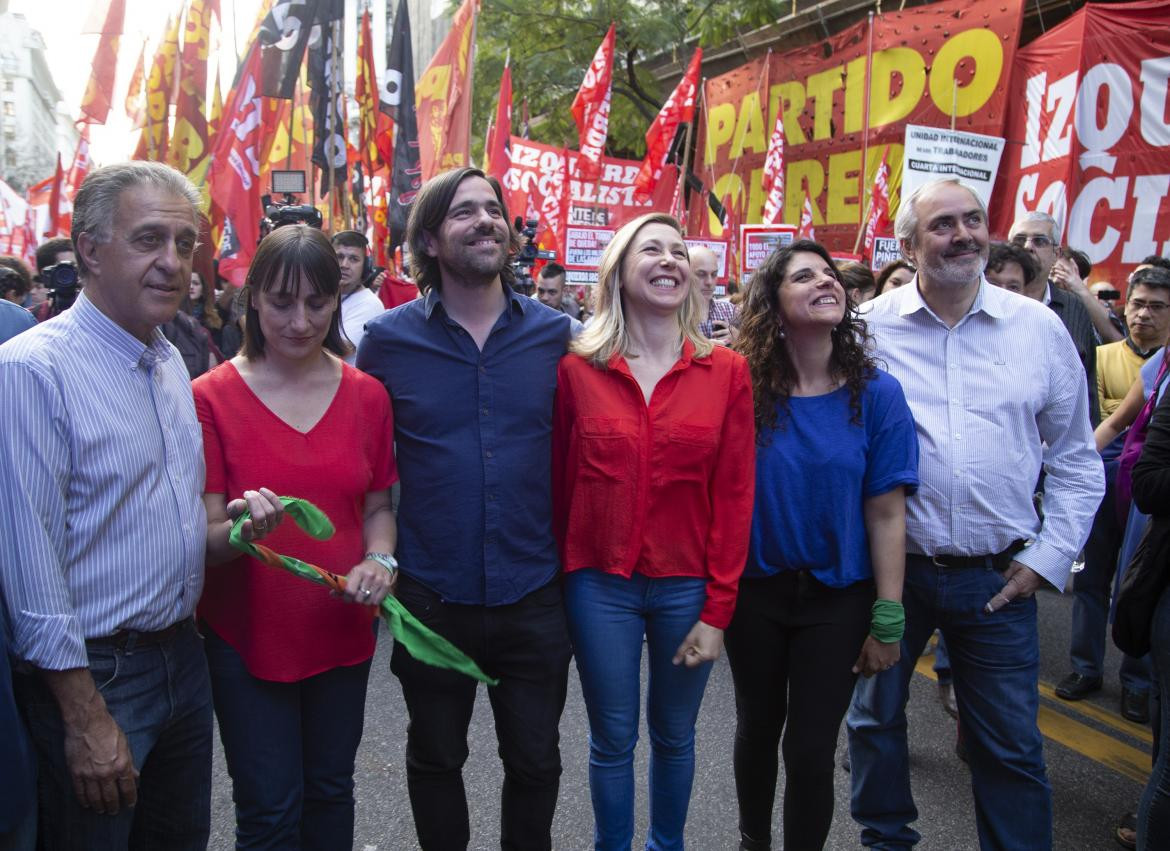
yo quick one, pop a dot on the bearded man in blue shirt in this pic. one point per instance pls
(471, 372)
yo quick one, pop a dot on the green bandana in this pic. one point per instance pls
(421, 642)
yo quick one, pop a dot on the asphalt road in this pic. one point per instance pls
(1095, 760)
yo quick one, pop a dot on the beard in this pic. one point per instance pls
(955, 272)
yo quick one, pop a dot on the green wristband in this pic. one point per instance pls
(887, 621)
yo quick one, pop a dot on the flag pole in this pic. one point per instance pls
(867, 87)
(335, 86)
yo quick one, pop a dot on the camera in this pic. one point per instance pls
(529, 254)
(63, 284)
(288, 184)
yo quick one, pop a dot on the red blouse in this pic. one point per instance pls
(285, 628)
(663, 489)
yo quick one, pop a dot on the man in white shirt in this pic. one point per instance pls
(359, 303)
(997, 392)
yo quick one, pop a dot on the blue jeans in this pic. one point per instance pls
(1154, 811)
(160, 697)
(608, 615)
(290, 750)
(995, 659)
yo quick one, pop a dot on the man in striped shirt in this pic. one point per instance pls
(102, 530)
(997, 392)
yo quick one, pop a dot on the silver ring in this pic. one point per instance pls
(366, 592)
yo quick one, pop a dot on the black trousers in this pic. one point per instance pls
(791, 646)
(526, 646)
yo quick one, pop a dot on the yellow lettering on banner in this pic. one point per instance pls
(854, 94)
(820, 88)
(720, 125)
(842, 205)
(433, 84)
(755, 207)
(984, 48)
(906, 63)
(726, 185)
(800, 174)
(749, 130)
(791, 94)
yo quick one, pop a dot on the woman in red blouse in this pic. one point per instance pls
(652, 485)
(288, 662)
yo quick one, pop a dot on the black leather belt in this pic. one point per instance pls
(126, 639)
(999, 561)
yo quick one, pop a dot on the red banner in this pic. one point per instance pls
(189, 142)
(1089, 138)
(533, 185)
(234, 178)
(927, 64)
(591, 105)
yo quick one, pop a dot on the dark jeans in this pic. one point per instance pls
(1154, 812)
(792, 645)
(526, 646)
(1091, 591)
(290, 750)
(996, 662)
(160, 697)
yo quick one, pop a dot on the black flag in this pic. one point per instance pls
(329, 149)
(284, 32)
(397, 99)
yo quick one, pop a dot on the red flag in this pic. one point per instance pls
(29, 232)
(879, 205)
(806, 220)
(234, 178)
(188, 145)
(591, 106)
(80, 167)
(774, 174)
(443, 98)
(377, 128)
(496, 144)
(55, 199)
(678, 109)
(152, 145)
(99, 93)
(135, 103)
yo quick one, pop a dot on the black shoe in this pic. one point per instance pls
(1135, 706)
(1077, 687)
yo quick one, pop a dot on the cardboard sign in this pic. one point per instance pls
(757, 242)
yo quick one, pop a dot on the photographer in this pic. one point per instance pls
(57, 271)
(359, 303)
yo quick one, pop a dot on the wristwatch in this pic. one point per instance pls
(386, 560)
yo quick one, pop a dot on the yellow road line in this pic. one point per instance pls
(1102, 716)
(1109, 751)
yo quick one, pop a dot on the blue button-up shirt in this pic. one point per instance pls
(473, 431)
(102, 524)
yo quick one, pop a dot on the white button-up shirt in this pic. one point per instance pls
(994, 398)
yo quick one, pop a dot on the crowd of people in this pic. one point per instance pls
(819, 476)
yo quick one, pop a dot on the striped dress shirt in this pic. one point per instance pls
(102, 524)
(993, 398)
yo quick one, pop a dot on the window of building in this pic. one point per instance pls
(9, 108)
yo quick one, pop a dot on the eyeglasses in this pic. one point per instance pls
(1021, 240)
(1154, 307)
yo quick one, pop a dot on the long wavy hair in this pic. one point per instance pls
(607, 334)
(762, 342)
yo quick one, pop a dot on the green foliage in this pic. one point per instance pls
(553, 41)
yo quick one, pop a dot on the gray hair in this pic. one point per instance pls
(906, 222)
(96, 204)
(1044, 219)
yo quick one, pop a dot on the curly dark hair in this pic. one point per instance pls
(762, 343)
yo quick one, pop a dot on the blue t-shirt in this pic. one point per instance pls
(814, 475)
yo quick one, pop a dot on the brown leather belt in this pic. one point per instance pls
(125, 639)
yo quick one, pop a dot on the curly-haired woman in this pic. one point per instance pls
(836, 453)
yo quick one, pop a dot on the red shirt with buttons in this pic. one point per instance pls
(663, 489)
